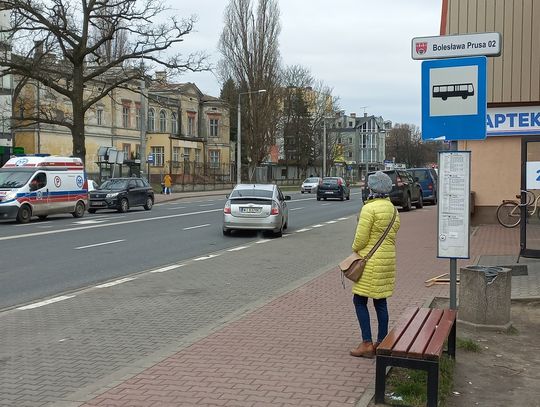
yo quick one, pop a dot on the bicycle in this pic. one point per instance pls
(509, 212)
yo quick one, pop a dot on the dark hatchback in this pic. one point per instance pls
(333, 187)
(406, 191)
(427, 177)
(121, 194)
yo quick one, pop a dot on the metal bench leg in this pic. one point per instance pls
(452, 342)
(432, 384)
(380, 379)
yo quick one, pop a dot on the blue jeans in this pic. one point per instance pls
(362, 313)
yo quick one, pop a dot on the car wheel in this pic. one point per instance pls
(24, 214)
(42, 217)
(226, 232)
(420, 203)
(318, 198)
(407, 204)
(149, 203)
(302, 192)
(79, 210)
(91, 211)
(124, 206)
(349, 197)
(279, 233)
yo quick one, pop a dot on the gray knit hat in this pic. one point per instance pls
(379, 183)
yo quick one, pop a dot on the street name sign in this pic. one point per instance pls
(454, 99)
(452, 46)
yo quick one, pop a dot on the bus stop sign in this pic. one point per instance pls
(454, 103)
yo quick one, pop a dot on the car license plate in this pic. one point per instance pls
(97, 203)
(250, 210)
(329, 192)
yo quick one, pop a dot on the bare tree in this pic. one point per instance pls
(404, 144)
(250, 55)
(67, 47)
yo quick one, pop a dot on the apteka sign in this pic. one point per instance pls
(513, 121)
(452, 46)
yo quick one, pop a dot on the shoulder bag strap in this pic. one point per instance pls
(379, 242)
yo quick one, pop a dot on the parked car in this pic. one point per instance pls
(333, 187)
(310, 185)
(256, 207)
(405, 190)
(427, 177)
(122, 194)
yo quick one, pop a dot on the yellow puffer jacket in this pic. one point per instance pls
(380, 272)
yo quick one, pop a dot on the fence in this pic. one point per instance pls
(193, 176)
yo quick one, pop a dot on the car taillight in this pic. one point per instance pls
(227, 208)
(275, 209)
(430, 186)
(399, 182)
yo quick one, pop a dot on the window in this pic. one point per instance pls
(214, 158)
(162, 121)
(176, 154)
(126, 148)
(350, 124)
(214, 127)
(125, 116)
(39, 181)
(350, 140)
(138, 118)
(197, 155)
(99, 116)
(151, 122)
(174, 123)
(349, 154)
(159, 156)
(191, 127)
(186, 153)
(137, 151)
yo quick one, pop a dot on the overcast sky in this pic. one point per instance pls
(360, 48)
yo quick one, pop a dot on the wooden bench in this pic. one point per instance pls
(416, 342)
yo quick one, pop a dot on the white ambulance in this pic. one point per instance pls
(42, 185)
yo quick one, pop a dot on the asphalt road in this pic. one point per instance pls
(46, 258)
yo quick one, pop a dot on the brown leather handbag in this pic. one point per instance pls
(353, 266)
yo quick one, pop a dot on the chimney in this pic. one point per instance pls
(353, 114)
(161, 76)
(365, 114)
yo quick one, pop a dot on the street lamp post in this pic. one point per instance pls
(239, 136)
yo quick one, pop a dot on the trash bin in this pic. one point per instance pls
(485, 296)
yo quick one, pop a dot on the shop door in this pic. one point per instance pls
(530, 182)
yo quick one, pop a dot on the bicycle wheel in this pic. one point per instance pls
(509, 214)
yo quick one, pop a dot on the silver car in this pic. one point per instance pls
(256, 207)
(310, 185)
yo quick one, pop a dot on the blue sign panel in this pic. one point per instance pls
(454, 99)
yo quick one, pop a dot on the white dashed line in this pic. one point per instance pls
(89, 221)
(210, 256)
(46, 302)
(197, 227)
(263, 241)
(344, 218)
(238, 248)
(167, 268)
(296, 209)
(99, 244)
(324, 204)
(317, 226)
(331, 221)
(303, 230)
(207, 205)
(116, 282)
(176, 207)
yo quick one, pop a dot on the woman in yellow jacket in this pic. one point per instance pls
(379, 275)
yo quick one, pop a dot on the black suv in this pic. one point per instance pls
(405, 189)
(121, 194)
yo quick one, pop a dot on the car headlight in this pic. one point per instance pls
(10, 195)
(112, 195)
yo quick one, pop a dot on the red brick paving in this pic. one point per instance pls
(294, 350)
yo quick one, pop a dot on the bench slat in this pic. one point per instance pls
(435, 347)
(422, 340)
(385, 347)
(404, 343)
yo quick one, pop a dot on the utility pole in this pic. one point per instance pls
(142, 124)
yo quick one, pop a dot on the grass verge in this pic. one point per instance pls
(409, 386)
(468, 345)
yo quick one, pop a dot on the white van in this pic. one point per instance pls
(41, 186)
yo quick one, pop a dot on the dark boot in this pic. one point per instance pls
(364, 350)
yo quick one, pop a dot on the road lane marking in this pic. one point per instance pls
(89, 221)
(344, 218)
(210, 256)
(116, 282)
(237, 248)
(303, 230)
(99, 244)
(196, 227)
(176, 207)
(324, 204)
(167, 268)
(331, 221)
(49, 232)
(263, 241)
(317, 225)
(207, 204)
(296, 209)
(46, 302)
